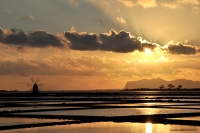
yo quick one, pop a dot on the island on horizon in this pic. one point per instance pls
(158, 83)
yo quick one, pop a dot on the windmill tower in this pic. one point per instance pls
(35, 89)
(35, 83)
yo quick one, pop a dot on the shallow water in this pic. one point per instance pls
(109, 127)
(148, 104)
(33, 108)
(196, 118)
(116, 112)
(17, 121)
(127, 99)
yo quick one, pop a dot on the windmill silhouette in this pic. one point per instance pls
(35, 83)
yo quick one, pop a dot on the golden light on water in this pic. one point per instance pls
(149, 128)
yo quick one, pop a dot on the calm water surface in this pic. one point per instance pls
(110, 127)
(116, 112)
(18, 121)
(171, 107)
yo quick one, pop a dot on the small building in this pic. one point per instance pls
(35, 89)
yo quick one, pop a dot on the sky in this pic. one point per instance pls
(97, 44)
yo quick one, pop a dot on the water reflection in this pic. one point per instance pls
(109, 127)
(148, 128)
(149, 111)
(114, 112)
(4, 121)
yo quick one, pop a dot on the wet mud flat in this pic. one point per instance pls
(80, 107)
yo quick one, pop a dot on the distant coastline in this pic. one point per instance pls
(162, 84)
(157, 89)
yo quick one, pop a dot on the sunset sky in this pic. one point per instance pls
(97, 44)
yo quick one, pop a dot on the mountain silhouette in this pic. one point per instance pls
(157, 82)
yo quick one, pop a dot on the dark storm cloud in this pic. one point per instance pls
(42, 38)
(114, 41)
(82, 41)
(121, 42)
(1, 35)
(32, 39)
(179, 48)
(16, 38)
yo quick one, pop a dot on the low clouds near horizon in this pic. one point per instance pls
(113, 41)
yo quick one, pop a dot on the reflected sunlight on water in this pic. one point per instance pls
(148, 128)
(109, 127)
(194, 118)
(149, 111)
(119, 105)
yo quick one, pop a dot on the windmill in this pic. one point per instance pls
(35, 83)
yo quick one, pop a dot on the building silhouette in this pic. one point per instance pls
(35, 89)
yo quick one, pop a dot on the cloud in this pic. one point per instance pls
(28, 17)
(194, 2)
(147, 3)
(113, 41)
(94, 66)
(7, 11)
(73, 2)
(178, 3)
(21, 49)
(37, 38)
(102, 3)
(42, 38)
(16, 38)
(4, 56)
(180, 48)
(128, 3)
(122, 42)
(170, 5)
(121, 20)
(1, 35)
(30, 67)
(97, 20)
(196, 9)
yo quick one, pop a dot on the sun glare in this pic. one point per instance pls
(147, 51)
(148, 128)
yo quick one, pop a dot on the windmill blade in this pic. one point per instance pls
(37, 80)
(29, 84)
(32, 80)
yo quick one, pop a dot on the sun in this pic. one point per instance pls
(147, 51)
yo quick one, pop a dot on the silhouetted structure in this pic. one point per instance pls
(35, 89)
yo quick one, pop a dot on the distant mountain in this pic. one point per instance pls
(156, 83)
